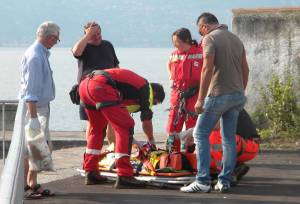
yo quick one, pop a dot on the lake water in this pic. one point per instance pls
(148, 62)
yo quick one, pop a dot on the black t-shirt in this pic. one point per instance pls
(98, 57)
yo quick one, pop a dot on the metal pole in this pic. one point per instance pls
(3, 132)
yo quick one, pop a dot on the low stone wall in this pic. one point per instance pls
(272, 42)
(10, 113)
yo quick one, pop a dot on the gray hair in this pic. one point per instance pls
(47, 28)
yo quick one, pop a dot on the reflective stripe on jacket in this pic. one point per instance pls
(246, 149)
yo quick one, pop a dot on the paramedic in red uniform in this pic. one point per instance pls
(247, 146)
(184, 69)
(101, 94)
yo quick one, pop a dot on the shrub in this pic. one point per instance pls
(279, 111)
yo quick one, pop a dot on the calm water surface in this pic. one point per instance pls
(148, 62)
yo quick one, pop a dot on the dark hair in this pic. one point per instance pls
(208, 18)
(184, 34)
(159, 91)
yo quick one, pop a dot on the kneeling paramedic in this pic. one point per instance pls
(101, 94)
(247, 146)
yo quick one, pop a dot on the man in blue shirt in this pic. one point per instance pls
(37, 90)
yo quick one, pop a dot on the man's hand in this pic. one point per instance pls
(199, 106)
(91, 31)
(34, 124)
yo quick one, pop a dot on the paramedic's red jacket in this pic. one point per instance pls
(98, 90)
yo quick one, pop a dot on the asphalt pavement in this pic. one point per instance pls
(274, 178)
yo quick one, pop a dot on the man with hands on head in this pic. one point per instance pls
(93, 53)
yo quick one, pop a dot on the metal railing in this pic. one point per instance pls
(12, 178)
(4, 102)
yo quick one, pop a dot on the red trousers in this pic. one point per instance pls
(176, 120)
(96, 90)
(246, 149)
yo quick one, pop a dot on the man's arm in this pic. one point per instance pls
(206, 75)
(245, 70)
(31, 106)
(79, 46)
(148, 130)
(146, 112)
(33, 122)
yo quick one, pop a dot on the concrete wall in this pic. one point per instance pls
(272, 42)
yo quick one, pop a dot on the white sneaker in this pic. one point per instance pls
(223, 188)
(196, 187)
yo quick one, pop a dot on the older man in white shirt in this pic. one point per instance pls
(37, 90)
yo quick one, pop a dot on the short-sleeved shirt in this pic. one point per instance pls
(98, 57)
(228, 50)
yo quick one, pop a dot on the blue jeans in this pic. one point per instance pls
(226, 108)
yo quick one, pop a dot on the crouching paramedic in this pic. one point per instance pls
(101, 93)
(247, 146)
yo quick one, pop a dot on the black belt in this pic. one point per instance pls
(110, 80)
(99, 105)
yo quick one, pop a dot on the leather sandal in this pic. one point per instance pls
(30, 195)
(44, 192)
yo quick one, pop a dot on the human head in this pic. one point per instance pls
(158, 93)
(97, 37)
(205, 22)
(182, 39)
(48, 34)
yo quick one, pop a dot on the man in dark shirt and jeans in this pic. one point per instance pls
(93, 53)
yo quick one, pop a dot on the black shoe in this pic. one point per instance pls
(128, 182)
(93, 178)
(239, 172)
